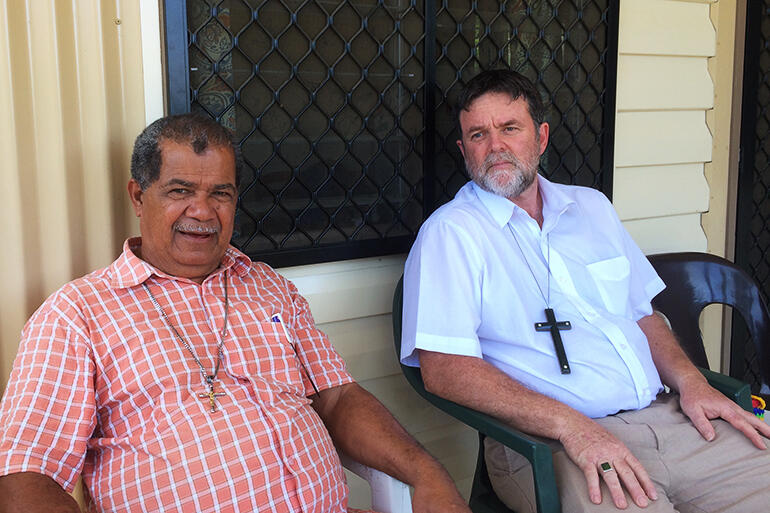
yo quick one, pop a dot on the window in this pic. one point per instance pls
(345, 125)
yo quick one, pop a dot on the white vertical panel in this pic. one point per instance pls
(152, 69)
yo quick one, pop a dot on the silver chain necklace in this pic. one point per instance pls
(209, 379)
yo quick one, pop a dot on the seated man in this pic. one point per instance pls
(184, 377)
(512, 254)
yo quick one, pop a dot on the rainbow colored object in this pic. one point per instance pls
(759, 406)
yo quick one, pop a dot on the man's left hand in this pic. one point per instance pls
(702, 403)
(698, 400)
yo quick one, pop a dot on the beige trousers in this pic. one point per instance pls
(692, 475)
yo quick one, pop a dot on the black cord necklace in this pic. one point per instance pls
(551, 324)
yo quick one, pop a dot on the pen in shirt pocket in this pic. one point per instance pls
(278, 319)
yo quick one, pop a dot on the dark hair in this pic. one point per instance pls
(200, 132)
(501, 81)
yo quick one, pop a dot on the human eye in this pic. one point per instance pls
(223, 195)
(476, 136)
(178, 191)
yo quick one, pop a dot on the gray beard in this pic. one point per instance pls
(521, 177)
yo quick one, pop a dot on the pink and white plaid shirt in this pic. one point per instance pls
(102, 386)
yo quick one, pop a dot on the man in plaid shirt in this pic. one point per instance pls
(184, 377)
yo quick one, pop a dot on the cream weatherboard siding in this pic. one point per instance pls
(662, 140)
(661, 137)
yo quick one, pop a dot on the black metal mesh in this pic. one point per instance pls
(560, 45)
(327, 99)
(753, 245)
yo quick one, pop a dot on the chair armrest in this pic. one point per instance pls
(736, 390)
(389, 495)
(538, 453)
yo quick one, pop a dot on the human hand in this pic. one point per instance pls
(438, 494)
(588, 446)
(702, 403)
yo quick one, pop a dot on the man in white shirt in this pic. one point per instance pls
(529, 301)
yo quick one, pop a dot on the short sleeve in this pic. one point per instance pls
(48, 409)
(442, 293)
(322, 362)
(645, 283)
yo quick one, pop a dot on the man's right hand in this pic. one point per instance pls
(590, 445)
(477, 384)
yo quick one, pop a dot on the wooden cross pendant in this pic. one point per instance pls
(554, 327)
(211, 395)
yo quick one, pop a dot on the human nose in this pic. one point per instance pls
(496, 142)
(200, 207)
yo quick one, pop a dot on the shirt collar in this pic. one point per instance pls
(555, 203)
(129, 270)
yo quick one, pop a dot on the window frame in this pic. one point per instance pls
(178, 100)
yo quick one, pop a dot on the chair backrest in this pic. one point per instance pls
(696, 280)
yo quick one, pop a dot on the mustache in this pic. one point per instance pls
(501, 157)
(195, 228)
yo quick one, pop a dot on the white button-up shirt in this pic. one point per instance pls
(477, 280)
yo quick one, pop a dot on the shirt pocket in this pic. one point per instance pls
(266, 357)
(612, 279)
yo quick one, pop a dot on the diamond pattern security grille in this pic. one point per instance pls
(753, 227)
(327, 99)
(562, 47)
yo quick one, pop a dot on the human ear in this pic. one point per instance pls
(135, 193)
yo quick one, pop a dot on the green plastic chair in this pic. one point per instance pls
(696, 280)
(483, 498)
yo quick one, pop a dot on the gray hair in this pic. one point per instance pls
(200, 132)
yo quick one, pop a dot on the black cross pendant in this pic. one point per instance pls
(554, 327)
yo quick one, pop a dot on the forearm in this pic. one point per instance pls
(363, 429)
(477, 384)
(30, 492)
(675, 368)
